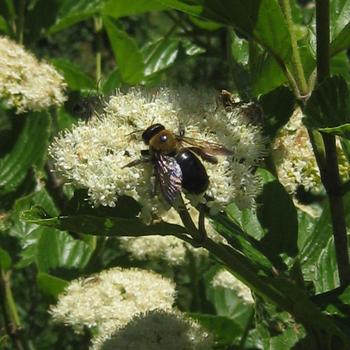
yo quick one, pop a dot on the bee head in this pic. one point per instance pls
(151, 131)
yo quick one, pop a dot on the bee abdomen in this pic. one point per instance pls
(194, 176)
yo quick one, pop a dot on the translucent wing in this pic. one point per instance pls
(205, 149)
(169, 176)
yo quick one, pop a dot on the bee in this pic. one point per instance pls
(176, 160)
(251, 111)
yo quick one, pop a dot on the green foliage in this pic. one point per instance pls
(50, 234)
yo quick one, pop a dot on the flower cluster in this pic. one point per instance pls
(108, 301)
(225, 279)
(159, 330)
(294, 158)
(93, 155)
(25, 83)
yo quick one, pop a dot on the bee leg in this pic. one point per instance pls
(181, 130)
(136, 162)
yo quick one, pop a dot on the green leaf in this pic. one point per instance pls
(73, 75)
(225, 330)
(59, 249)
(5, 259)
(317, 241)
(160, 55)
(30, 149)
(326, 271)
(122, 8)
(278, 107)
(341, 42)
(112, 82)
(328, 106)
(129, 58)
(27, 234)
(72, 12)
(100, 226)
(335, 302)
(37, 23)
(278, 216)
(266, 75)
(50, 285)
(260, 19)
(3, 26)
(339, 16)
(251, 249)
(342, 130)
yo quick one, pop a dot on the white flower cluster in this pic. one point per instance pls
(25, 83)
(225, 279)
(109, 300)
(159, 330)
(92, 155)
(294, 158)
(128, 309)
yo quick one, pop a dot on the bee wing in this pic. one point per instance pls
(205, 149)
(169, 176)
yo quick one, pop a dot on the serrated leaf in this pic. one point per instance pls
(326, 270)
(329, 105)
(50, 285)
(100, 226)
(122, 8)
(5, 259)
(278, 216)
(30, 149)
(262, 20)
(73, 75)
(318, 239)
(278, 107)
(58, 249)
(127, 55)
(72, 12)
(27, 234)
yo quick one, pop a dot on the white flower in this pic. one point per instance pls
(25, 83)
(294, 158)
(109, 300)
(225, 279)
(159, 330)
(92, 155)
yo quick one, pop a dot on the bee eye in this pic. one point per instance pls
(163, 138)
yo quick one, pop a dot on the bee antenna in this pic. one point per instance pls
(134, 132)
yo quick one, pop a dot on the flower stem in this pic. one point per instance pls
(296, 60)
(98, 59)
(20, 21)
(9, 309)
(330, 169)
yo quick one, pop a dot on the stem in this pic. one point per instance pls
(296, 60)
(330, 170)
(98, 59)
(20, 21)
(8, 305)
